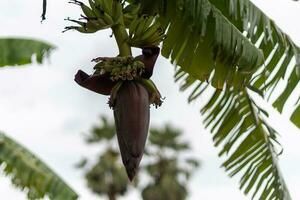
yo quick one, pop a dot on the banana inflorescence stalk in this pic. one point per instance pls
(125, 78)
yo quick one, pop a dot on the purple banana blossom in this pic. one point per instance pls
(132, 116)
(131, 104)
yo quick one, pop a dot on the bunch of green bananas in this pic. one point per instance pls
(130, 13)
(119, 68)
(145, 31)
(100, 14)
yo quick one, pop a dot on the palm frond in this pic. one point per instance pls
(30, 173)
(17, 51)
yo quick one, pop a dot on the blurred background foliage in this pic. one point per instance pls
(165, 169)
(26, 170)
(21, 51)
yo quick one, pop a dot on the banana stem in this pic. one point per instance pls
(121, 37)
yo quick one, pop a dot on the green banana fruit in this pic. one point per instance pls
(145, 31)
(148, 22)
(107, 19)
(130, 13)
(127, 19)
(106, 5)
(88, 12)
(151, 30)
(117, 12)
(133, 26)
(95, 8)
(133, 9)
(80, 29)
(154, 39)
(96, 24)
(140, 29)
(101, 14)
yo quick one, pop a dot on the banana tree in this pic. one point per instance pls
(226, 50)
(26, 170)
(108, 177)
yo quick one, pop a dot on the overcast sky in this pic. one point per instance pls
(43, 108)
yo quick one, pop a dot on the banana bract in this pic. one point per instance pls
(149, 57)
(132, 116)
(131, 94)
(101, 84)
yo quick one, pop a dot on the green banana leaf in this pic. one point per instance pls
(249, 144)
(27, 171)
(222, 41)
(234, 47)
(18, 51)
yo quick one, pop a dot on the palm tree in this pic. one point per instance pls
(167, 169)
(26, 170)
(107, 176)
(169, 173)
(223, 50)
